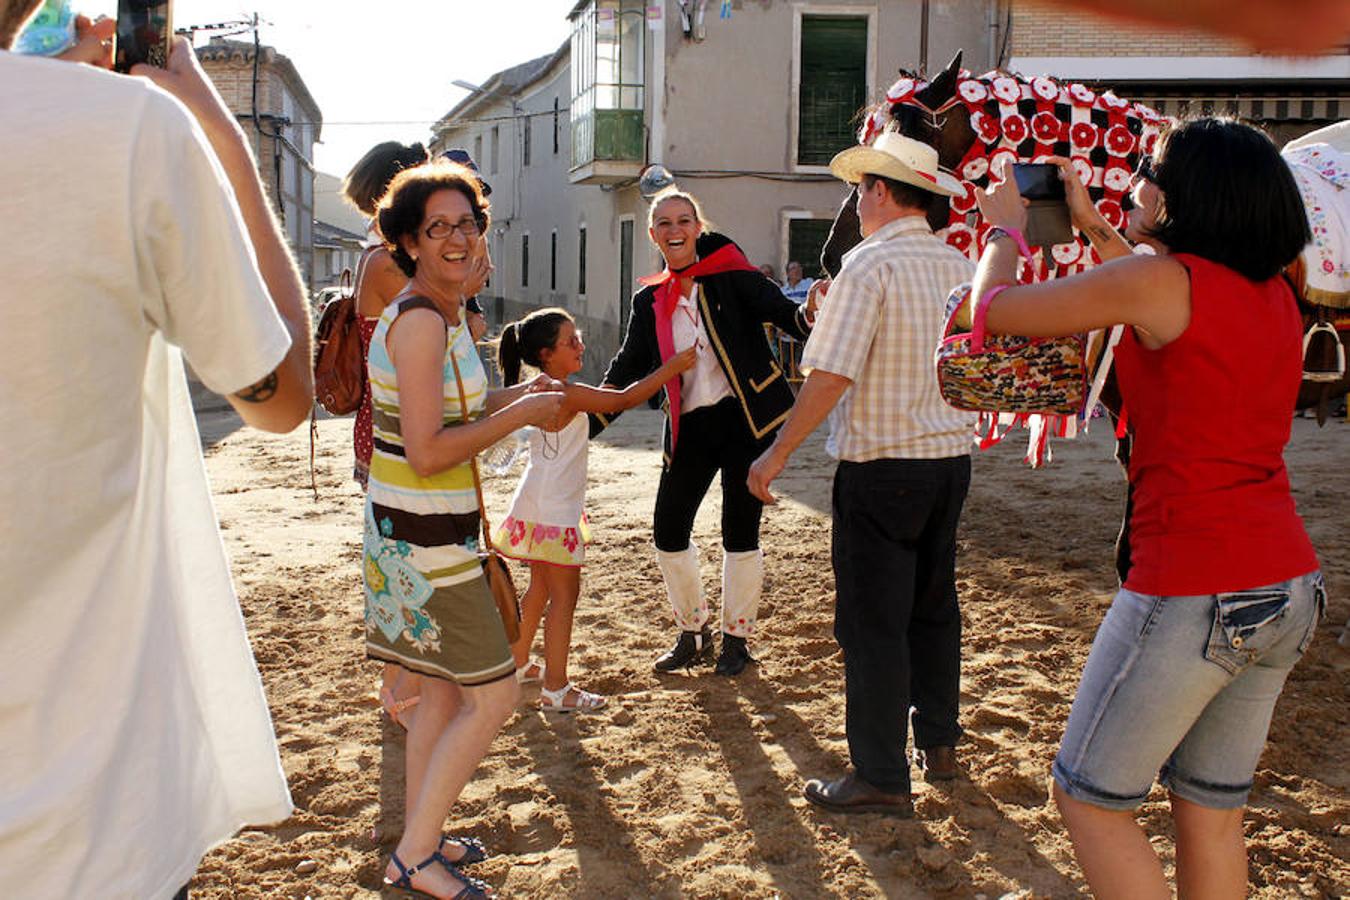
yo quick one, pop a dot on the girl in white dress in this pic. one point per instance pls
(546, 526)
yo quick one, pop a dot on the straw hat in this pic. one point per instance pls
(892, 155)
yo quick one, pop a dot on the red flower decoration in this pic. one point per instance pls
(1081, 95)
(1120, 140)
(1066, 254)
(975, 169)
(1015, 128)
(960, 236)
(1083, 135)
(1111, 101)
(1111, 212)
(1006, 89)
(1150, 140)
(966, 201)
(1044, 88)
(972, 91)
(1116, 178)
(985, 126)
(1083, 166)
(1046, 127)
(901, 90)
(1000, 161)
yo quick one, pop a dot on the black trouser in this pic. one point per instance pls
(896, 617)
(712, 438)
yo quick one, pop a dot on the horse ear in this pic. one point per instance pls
(943, 87)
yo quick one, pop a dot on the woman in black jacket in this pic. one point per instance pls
(719, 415)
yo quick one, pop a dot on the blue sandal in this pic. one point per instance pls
(474, 851)
(473, 889)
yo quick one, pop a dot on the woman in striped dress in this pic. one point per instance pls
(428, 606)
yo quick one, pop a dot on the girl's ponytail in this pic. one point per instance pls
(508, 354)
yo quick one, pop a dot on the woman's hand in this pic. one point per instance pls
(1083, 213)
(93, 42)
(538, 409)
(479, 270)
(1002, 204)
(543, 384)
(814, 296)
(684, 360)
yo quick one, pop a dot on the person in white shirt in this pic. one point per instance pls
(134, 734)
(796, 288)
(904, 470)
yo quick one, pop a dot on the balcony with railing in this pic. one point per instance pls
(608, 90)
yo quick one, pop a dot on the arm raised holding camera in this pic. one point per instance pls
(282, 399)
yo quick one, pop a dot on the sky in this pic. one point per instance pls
(382, 69)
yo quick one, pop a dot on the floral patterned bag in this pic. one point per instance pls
(1005, 373)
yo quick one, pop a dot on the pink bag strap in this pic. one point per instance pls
(977, 319)
(982, 306)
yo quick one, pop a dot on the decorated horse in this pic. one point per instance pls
(980, 124)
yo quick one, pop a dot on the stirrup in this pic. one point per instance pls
(553, 701)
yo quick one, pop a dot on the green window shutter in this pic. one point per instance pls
(833, 85)
(806, 238)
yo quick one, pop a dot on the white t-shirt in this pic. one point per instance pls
(134, 734)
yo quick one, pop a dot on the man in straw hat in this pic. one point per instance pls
(904, 468)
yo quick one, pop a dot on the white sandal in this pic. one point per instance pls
(530, 673)
(555, 701)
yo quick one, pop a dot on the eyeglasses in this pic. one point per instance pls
(1144, 171)
(575, 341)
(440, 228)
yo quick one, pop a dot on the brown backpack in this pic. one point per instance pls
(339, 364)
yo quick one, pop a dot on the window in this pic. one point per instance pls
(496, 142)
(478, 149)
(833, 85)
(608, 48)
(553, 261)
(526, 122)
(581, 262)
(625, 273)
(555, 126)
(524, 260)
(806, 238)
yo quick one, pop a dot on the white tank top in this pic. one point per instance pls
(553, 489)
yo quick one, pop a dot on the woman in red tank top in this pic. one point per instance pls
(1222, 592)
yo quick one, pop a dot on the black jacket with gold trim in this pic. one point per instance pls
(734, 307)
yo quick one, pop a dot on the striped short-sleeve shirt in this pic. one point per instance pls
(878, 327)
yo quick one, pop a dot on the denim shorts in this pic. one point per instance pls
(1184, 687)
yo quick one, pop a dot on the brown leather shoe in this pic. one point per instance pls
(851, 794)
(937, 763)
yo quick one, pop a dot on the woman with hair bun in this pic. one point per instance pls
(546, 526)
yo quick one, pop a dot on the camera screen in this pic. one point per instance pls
(143, 33)
(1038, 181)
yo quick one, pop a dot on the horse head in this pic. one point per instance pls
(931, 115)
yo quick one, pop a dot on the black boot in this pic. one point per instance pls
(735, 656)
(692, 647)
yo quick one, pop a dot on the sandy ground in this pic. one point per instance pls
(690, 786)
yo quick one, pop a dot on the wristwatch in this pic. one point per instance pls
(1013, 234)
